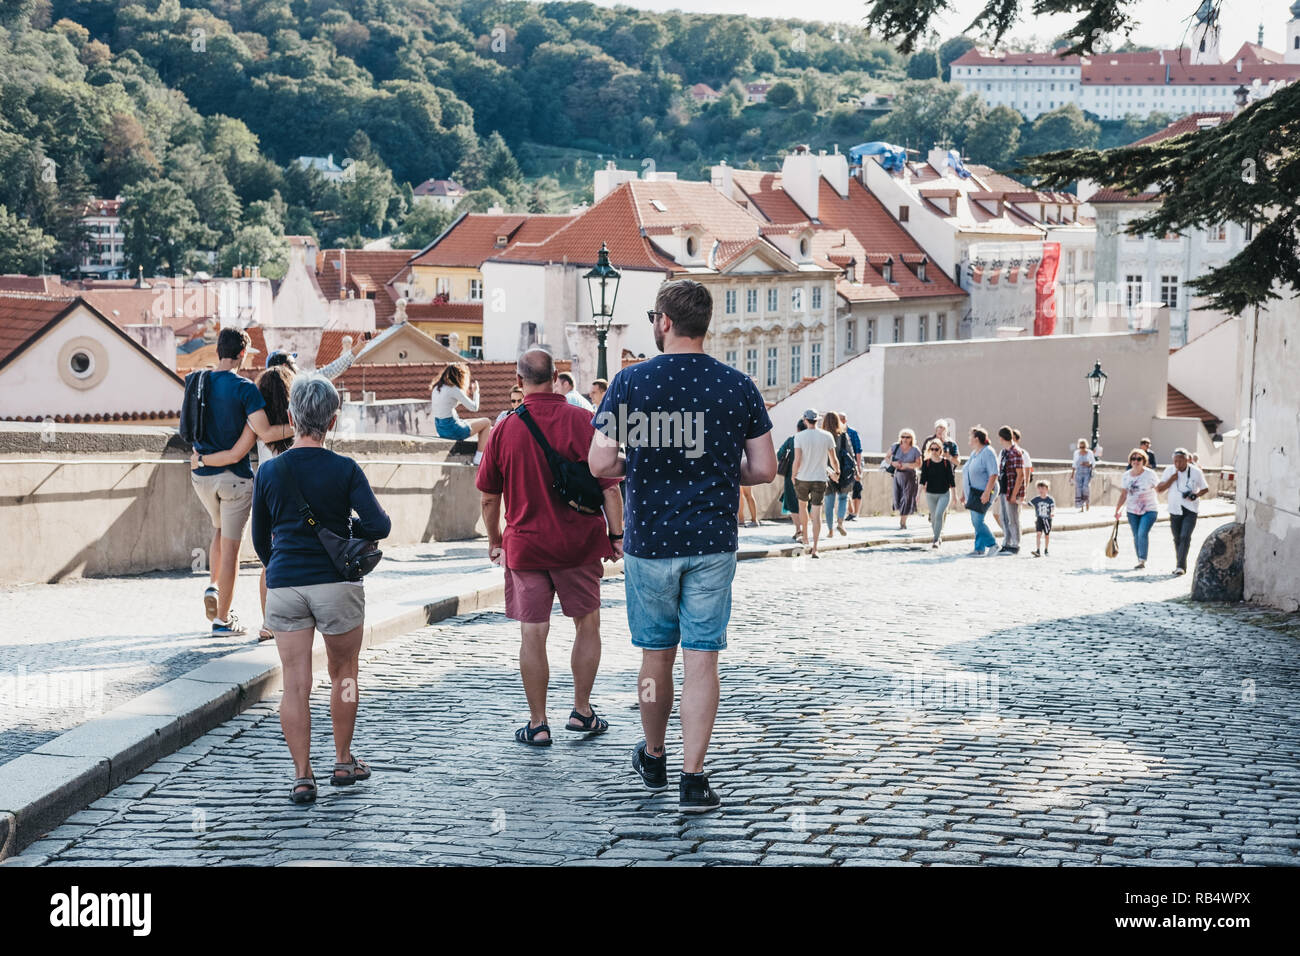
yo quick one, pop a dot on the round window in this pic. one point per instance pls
(803, 247)
(402, 355)
(82, 363)
(691, 246)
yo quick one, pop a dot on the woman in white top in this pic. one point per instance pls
(449, 391)
(1084, 460)
(1139, 493)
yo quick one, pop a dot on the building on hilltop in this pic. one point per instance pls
(1114, 85)
(325, 166)
(446, 193)
(102, 255)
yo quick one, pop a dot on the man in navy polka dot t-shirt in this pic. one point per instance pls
(694, 431)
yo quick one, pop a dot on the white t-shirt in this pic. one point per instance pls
(1191, 480)
(1141, 491)
(445, 400)
(1084, 459)
(816, 445)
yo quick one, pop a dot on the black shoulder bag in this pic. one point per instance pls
(571, 480)
(193, 405)
(353, 558)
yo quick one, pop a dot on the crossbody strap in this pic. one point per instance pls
(304, 509)
(522, 414)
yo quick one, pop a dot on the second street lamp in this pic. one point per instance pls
(1096, 388)
(602, 288)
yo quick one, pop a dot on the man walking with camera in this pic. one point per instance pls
(1186, 485)
(548, 548)
(695, 430)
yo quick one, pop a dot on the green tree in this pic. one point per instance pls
(927, 112)
(782, 95)
(24, 248)
(1063, 127)
(995, 138)
(361, 199)
(950, 50)
(923, 65)
(163, 231)
(256, 245)
(424, 222)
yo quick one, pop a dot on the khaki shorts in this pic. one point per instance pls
(228, 498)
(813, 492)
(330, 608)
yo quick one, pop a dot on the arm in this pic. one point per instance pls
(221, 459)
(1020, 484)
(261, 521)
(798, 462)
(373, 522)
(491, 505)
(758, 466)
(833, 463)
(1164, 485)
(1119, 505)
(603, 458)
(471, 404)
(614, 517)
(341, 364)
(265, 430)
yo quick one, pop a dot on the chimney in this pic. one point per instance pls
(938, 158)
(236, 272)
(800, 177)
(721, 179)
(255, 272)
(835, 168)
(453, 342)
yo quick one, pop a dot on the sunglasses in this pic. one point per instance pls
(653, 314)
(1137, 458)
(516, 401)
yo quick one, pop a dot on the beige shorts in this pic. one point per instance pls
(329, 608)
(813, 492)
(228, 498)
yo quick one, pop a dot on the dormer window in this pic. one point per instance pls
(501, 241)
(920, 270)
(887, 269)
(803, 247)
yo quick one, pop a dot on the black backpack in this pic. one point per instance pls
(571, 480)
(194, 406)
(848, 464)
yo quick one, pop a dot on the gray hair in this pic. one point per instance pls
(313, 402)
(536, 367)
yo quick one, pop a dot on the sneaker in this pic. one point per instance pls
(230, 628)
(210, 602)
(696, 796)
(652, 770)
(1139, 566)
(1044, 552)
(850, 517)
(1178, 571)
(1036, 553)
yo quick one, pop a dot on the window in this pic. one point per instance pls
(902, 213)
(887, 269)
(850, 330)
(796, 300)
(751, 301)
(1250, 231)
(731, 301)
(82, 363)
(920, 270)
(476, 289)
(871, 332)
(1132, 290)
(751, 363)
(815, 360)
(773, 356)
(1219, 233)
(771, 300)
(941, 327)
(816, 297)
(923, 328)
(898, 328)
(732, 357)
(442, 286)
(476, 346)
(1169, 291)
(796, 363)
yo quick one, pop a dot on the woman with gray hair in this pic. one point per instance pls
(305, 591)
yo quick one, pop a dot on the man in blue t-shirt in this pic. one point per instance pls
(694, 430)
(855, 503)
(232, 402)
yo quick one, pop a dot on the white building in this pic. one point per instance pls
(325, 165)
(103, 256)
(446, 193)
(1115, 85)
(1134, 269)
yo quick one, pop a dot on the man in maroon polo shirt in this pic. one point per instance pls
(548, 548)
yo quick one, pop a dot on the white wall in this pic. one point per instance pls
(854, 388)
(935, 235)
(1202, 370)
(32, 386)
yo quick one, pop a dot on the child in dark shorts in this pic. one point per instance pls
(1044, 510)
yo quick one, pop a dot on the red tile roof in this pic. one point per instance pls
(472, 238)
(976, 57)
(468, 312)
(1109, 69)
(42, 285)
(765, 191)
(1178, 405)
(362, 271)
(439, 187)
(1186, 124)
(24, 316)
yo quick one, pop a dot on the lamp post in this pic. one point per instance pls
(1096, 387)
(602, 288)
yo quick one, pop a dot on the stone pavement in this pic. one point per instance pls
(75, 650)
(890, 705)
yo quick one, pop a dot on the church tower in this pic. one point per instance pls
(1205, 35)
(1292, 53)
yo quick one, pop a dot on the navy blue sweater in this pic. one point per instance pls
(334, 487)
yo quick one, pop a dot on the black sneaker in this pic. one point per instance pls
(696, 794)
(652, 770)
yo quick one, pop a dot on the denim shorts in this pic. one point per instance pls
(683, 600)
(452, 428)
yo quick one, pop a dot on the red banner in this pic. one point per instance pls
(1045, 289)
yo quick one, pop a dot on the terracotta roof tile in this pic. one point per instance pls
(472, 239)
(1178, 405)
(468, 312)
(24, 316)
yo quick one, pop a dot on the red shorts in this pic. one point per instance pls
(529, 594)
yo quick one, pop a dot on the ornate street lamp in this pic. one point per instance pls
(602, 287)
(1096, 387)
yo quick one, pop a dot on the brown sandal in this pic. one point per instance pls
(353, 771)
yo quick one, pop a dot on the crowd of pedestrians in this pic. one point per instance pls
(567, 486)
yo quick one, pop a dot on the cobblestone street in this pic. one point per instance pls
(940, 709)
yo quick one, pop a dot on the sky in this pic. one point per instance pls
(1160, 23)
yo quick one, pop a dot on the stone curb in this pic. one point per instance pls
(41, 789)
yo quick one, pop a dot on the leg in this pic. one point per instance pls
(816, 515)
(655, 692)
(226, 574)
(295, 708)
(480, 427)
(214, 556)
(535, 669)
(1185, 538)
(341, 651)
(700, 692)
(261, 592)
(585, 659)
(804, 508)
